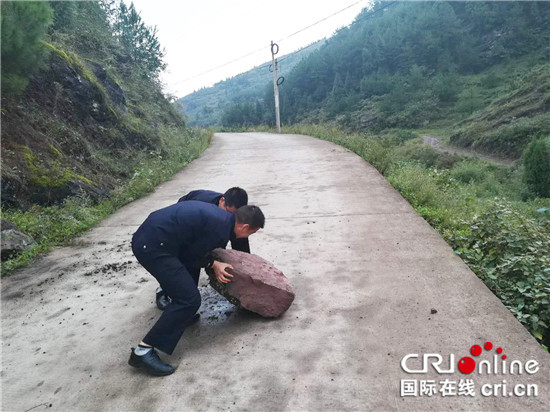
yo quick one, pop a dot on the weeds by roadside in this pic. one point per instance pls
(54, 225)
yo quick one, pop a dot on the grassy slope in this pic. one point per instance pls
(517, 110)
(496, 111)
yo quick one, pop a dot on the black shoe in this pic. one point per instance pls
(151, 363)
(163, 300)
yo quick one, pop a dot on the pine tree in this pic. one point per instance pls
(24, 24)
(139, 41)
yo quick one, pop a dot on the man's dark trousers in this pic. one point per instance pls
(181, 286)
(172, 244)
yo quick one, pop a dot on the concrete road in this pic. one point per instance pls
(373, 281)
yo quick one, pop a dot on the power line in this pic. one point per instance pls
(374, 11)
(320, 21)
(314, 43)
(263, 48)
(202, 94)
(220, 66)
(293, 34)
(297, 51)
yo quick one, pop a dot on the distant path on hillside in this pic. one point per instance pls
(435, 142)
(373, 281)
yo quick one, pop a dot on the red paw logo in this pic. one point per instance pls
(467, 365)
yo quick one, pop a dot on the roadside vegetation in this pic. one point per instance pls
(86, 127)
(489, 214)
(57, 224)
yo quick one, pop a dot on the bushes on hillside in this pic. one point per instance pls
(468, 172)
(536, 159)
(509, 252)
(427, 156)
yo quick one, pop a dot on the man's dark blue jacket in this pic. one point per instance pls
(210, 196)
(207, 196)
(187, 230)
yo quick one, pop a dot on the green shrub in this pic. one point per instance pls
(445, 87)
(377, 84)
(536, 159)
(468, 172)
(509, 252)
(417, 185)
(379, 154)
(491, 80)
(404, 135)
(13, 84)
(469, 100)
(447, 160)
(425, 155)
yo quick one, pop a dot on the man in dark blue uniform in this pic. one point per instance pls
(167, 244)
(230, 201)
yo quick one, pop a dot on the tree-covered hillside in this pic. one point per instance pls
(416, 64)
(411, 64)
(206, 107)
(86, 127)
(81, 99)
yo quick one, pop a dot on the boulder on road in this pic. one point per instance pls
(257, 285)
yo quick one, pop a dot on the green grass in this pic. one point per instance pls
(55, 225)
(75, 62)
(483, 210)
(509, 116)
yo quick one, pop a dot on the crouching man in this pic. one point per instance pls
(229, 201)
(170, 241)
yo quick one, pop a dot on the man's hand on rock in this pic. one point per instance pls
(220, 269)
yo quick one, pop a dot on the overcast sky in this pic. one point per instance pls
(199, 35)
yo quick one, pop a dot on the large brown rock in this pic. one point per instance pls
(257, 285)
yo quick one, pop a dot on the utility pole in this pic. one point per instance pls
(274, 51)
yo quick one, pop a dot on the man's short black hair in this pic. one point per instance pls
(236, 197)
(251, 215)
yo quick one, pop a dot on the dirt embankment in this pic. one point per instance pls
(436, 143)
(75, 131)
